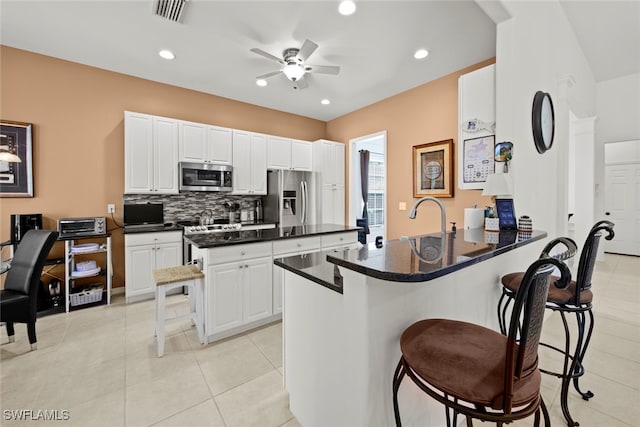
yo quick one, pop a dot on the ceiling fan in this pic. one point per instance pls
(294, 67)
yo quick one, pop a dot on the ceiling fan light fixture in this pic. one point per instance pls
(421, 54)
(347, 7)
(166, 54)
(325, 102)
(293, 72)
(261, 82)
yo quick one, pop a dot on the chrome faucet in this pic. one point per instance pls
(443, 216)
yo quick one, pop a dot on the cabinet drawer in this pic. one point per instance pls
(302, 244)
(238, 252)
(339, 239)
(152, 238)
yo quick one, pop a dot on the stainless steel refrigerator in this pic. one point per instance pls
(287, 201)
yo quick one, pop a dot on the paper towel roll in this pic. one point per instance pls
(473, 218)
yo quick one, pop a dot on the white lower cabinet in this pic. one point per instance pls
(145, 252)
(238, 291)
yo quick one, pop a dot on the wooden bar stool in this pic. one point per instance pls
(171, 278)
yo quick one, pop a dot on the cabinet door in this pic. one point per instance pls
(258, 164)
(279, 156)
(138, 153)
(301, 155)
(257, 289)
(168, 255)
(327, 204)
(220, 144)
(192, 142)
(338, 205)
(241, 162)
(338, 166)
(225, 296)
(139, 264)
(278, 287)
(165, 156)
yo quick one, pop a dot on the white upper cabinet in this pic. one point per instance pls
(249, 163)
(150, 154)
(220, 143)
(205, 143)
(301, 155)
(279, 152)
(286, 153)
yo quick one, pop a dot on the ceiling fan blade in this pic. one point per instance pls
(271, 74)
(267, 55)
(322, 69)
(300, 84)
(308, 47)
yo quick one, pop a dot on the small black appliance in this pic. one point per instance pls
(21, 223)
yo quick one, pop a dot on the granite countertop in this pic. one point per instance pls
(152, 229)
(416, 259)
(213, 240)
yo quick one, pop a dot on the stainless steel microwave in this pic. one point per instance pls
(205, 177)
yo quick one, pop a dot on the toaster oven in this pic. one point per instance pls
(79, 227)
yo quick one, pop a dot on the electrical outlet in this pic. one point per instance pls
(402, 206)
(111, 208)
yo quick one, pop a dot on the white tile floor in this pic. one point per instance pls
(100, 365)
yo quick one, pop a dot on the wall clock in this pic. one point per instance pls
(542, 121)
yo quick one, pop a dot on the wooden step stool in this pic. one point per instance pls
(171, 278)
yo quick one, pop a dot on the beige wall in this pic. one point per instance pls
(77, 117)
(427, 113)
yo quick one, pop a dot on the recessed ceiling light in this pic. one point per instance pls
(261, 82)
(325, 102)
(166, 54)
(347, 7)
(421, 54)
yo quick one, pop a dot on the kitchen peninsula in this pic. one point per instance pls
(344, 312)
(243, 289)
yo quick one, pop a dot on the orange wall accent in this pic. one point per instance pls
(78, 133)
(427, 113)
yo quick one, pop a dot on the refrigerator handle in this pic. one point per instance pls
(303, 198)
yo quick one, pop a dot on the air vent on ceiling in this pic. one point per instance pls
(170, 9)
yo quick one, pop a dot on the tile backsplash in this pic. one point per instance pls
(189, 205)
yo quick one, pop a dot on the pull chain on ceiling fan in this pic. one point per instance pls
(293, 62)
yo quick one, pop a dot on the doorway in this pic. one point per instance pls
(622, 196)
(376, 144)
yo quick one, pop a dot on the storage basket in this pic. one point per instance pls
(87, 296)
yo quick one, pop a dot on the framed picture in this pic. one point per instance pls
(16, 178)
(433, 169)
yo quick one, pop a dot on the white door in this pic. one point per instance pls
(168, 255)
(622, 207)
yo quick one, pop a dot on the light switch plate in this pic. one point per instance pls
(402, 206)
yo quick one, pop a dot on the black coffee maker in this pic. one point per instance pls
(21, 223)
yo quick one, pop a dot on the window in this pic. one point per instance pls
(376, 190)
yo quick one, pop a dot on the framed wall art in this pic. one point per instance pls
(16, 178)
(433, 169)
